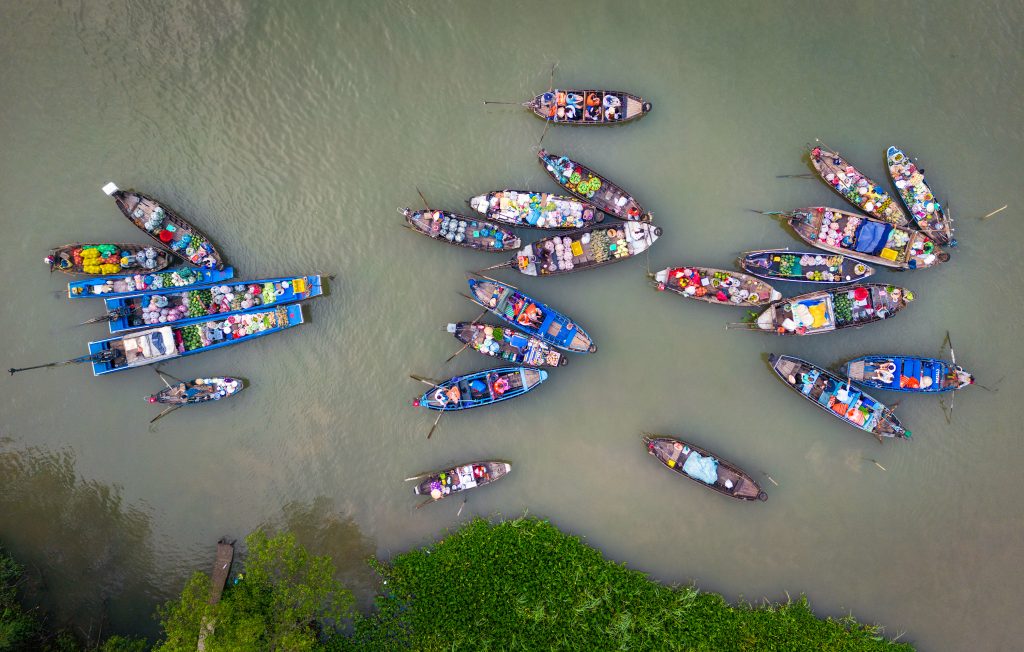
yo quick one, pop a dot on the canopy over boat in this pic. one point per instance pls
(917, 196)
(588, 107)
(824, 311)
(123, 285)
(541, 210)
(166, 227)
(199, 390)
(507, 344)
(695, 463)
(804, 267)
(865, 238)
(837, 396)
(907, 373)
(586, 248)
(481, 388)
(529, 315)
(851, 184)
(462, 231)
(719, 286)
(108, 258)
(590, 186)
(441, 484)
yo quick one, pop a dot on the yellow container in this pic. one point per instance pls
(889, 254)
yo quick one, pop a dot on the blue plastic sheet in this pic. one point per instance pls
(701, 468)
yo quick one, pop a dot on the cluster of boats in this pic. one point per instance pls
(156, 313)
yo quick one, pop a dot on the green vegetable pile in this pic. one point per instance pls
(191, 338)
(843, 306)
(198, 300)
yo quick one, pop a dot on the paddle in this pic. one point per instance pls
(459, 513)
(167, 411)
(507, 263)
(441, 412)
(770, 478)
(998, 210)
(773, 213)
(434, 427)
(110, 315)
(952, 399)
(426, 502)
(103, 356)
(498, 102)
(875, 462)
(805, 175)
(423, 198)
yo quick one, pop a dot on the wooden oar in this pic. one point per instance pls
(499, 102)
(806, 175)
(167, 411)
(773, 213)
(434, 427)
(875, 462)
(110, 315)
(427, 381)
(459, 513)
(102, 356)
(507, 263)
(423, 198)
(998, 210)
(770, 478)
(426, 502)
(466, 345)
(417, 477)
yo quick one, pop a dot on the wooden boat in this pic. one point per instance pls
(803, 266)
(838, 396)
(587, 248)
(462, 231)
(540, 210)
(851, 184)
(105, 259)
(481, 388)
(864, 238)
(908, 373)
(123, 285)
(199, 390)
(202, 303)
(824, 311)
(591, 187)
(169, 342)
(720, 286)
(529, 315)
(917, 197)
(588, 107)
(508, 344)
(441, 484)
(688, 460)
(166, 227)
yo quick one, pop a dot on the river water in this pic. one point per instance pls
(291, 133)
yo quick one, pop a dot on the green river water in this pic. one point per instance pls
(290, 132)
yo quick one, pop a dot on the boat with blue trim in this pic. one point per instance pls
(481, 388)
(588, 108)
(507, 344)
(908, 373)
(529, 315)
(124, 285)
(804, 266)
(538, 210)
(918, 198)
(824, 311)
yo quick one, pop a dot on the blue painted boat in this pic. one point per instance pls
(169, 342)
(908, 373)
(530, 315)
(838, 396)
(201, 303)
(481, 388)
(123, 285)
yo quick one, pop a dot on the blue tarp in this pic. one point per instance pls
(701, 468)
(871, 237)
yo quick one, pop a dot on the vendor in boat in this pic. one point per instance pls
(531, 315)
(500, 386)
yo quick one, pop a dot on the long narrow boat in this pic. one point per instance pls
(169, 342)
(588, 107)
(851, 184)
(591, 187)
(587, 248)
(838, 396)
(695, 463)
(507, 344)
(720, 286)
(199, 390)
(199, 304)
(529, 315)
(481, 388)
(461, 231)
(539, 210)
(441, 484)
(918, 198)
(908, 373)
(824, 311)
(166, 227)
(123, 285)
(108, 258)
(865, 238)
(803, 266)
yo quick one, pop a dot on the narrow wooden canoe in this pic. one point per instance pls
(589, 186)
(851, 184)
(529, 315)
(824, 311)
(588, 107)
(587, 248)
(199, 390)
(695, 463)
(917, 196)
(720, 286)
(441, 484)
(838, 396)
(507, 344)
(123, 285)
(141, 348)
(106, 258)
(865, 238)
(166, 227)
(481, 388)
(200, 304)
(803, 266)
(539, 210)
(908, 373)
(462, 231)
